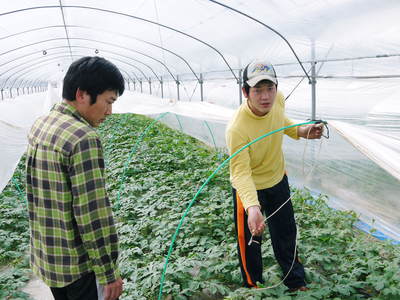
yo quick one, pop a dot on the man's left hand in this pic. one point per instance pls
(311, 131)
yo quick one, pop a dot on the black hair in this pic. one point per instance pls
(245, 78)
(93, 75)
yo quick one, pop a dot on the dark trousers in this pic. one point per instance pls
(282, 228)
(85, 288)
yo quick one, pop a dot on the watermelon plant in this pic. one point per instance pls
(150, 188)
(14, 237)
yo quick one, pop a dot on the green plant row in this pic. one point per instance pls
(14, 237)
(163, 176)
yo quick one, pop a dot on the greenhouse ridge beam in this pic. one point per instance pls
(65, 28)
(115, 53)
(4, 84)
(52, 54)
(25, 63)
(38, 79)
(118, 54)
(29, 54)
(110, 32)
(28, 45)
(32, 82)
(128, 49)
(343, 59)
(347, 76)
(92, 40)
(34, 66)
(48, 61)
(49, 72)
(130, 16)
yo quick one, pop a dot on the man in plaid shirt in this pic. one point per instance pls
(74, 243)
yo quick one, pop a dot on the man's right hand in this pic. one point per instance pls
(113, 290)
(255, 220)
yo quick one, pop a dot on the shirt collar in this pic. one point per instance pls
(68, 109)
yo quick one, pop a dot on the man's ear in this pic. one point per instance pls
(245, 93)
(81, 96)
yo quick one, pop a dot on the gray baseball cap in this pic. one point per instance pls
(259, 70)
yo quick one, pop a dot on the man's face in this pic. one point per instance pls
(96, 113)
(261, 98)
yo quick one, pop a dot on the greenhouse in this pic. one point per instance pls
(168, 159)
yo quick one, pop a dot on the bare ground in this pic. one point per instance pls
(38, 290)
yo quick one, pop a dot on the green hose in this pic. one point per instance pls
(21, 194)
(201, 188)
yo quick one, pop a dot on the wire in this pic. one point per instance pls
(201, 188)
(304, 158)
(159, 31)
(302, 210)
(294, 254)
(122, 180)
(186, 91)
(301, 80)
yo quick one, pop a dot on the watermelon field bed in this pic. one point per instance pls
(151, 178)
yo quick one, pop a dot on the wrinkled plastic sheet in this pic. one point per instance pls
(352, 167)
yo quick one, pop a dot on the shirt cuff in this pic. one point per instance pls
(109, 277)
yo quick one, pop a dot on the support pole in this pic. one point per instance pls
(150, 84)
(162, 88)
(141, 86)
(201, 88)
(313, 99)
(177, 86)
(2, 98)
(313, 83)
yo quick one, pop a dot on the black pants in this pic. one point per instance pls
(282, 228)
(85, 288)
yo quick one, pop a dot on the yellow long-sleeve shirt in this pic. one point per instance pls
(261, 165)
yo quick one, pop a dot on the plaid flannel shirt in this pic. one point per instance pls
(71, 221)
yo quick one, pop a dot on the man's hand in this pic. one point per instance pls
(310, 131)
(255, 220)
(113, 290)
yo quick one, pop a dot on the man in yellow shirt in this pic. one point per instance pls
(258, 177)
